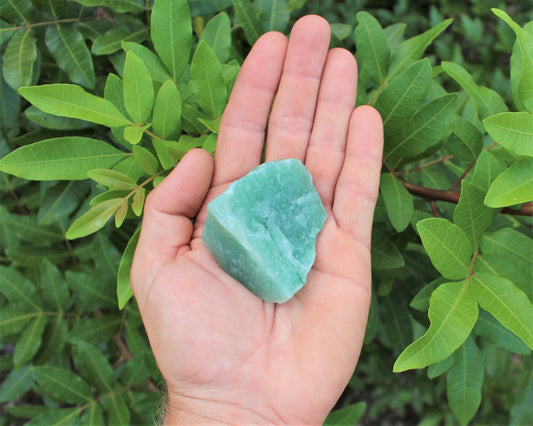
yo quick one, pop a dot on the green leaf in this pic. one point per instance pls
(54, 122)
(62, 385)
(471, 214)
(94, 367)
(385, 255)
(488, 101)
(136, 371)
(146, 160)
(525, 41)
(373, 52)
(95, 330)
(453, 312)
(402, 97)
(522, 410)
(512, 186)
(16, 384)
(119, 6)
(424, 130)
(117, 410)
(93, 416)
(441, 367)
(275, 14)
(53, 340)
(26, 228)
(112, 40)
(19, 59)
(92, 291)
(394, 312)
(134, 134)
(121, 212)
(485, 171)
(16, 11)
(124, 292)
(421, 301)
(114, 93)
(112, 179)
(153, 64)
(60, 200)
(17, 289)
(172, 34)
(138, 89)
(507, 303)
(348, 415)
(512, 130)
(137, 203)
(412, 49)
(55, 416)
(247, 15)
(398, 201)
(67, 158)
(490, 329)
(68, 47)
(29, 341)
(68, 100)
(94, 219)
(464, 381)
(9, 105)
(447, 246)
(166, 120)
(217, 34)
(208, 81)
(466, 142)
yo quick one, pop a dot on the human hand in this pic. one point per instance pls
(226, 355)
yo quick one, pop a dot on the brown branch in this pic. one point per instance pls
(453, 197)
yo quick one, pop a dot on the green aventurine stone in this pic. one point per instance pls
(262, 230)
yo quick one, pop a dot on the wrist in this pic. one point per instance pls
(183, 410)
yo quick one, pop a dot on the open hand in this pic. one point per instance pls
(227, 356)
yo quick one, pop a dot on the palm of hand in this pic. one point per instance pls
(223, 351)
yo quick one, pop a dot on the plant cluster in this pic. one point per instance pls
(99, 100)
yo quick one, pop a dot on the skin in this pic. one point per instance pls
(227, 356)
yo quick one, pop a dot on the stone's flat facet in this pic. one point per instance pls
(262, 230)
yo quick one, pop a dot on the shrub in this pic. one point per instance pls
(85, 133)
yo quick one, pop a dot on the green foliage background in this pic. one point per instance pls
(96, 108)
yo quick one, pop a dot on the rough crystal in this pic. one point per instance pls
(262, 230)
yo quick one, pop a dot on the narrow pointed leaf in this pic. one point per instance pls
(373, 52)
(16, 11)
(17, 289)
(403, 96)
(423, 131)
(248, 17)
(217, 33)
(398, 201)
(349, 415)
(62, 385)
(121, 212)
(19, 59)
(94, 366)
(464, 381)
(117, 410)
(490, 329)
(124, 292)
(71, 54)
(471, 214)
(488, 101)
(53, 340)
(93, 416)
(512, 186)
(275, 14)
(138, 201)
(208, 81)
(138, 89)
(68, 100)
(95, 330)
(112, 179)
(172, 34)
(166, 120)
(447, 246)
(525, 41)
(9, 105)
(112, 40)
(153, 64)
(146, 160)
(67, 158)
(512, 130)
(485, 171)
(16, 384)
(507, 303)
(29, 341)
(94, 219)
(55, 416)
(412, 49)
(453, 312)
(385, 255)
